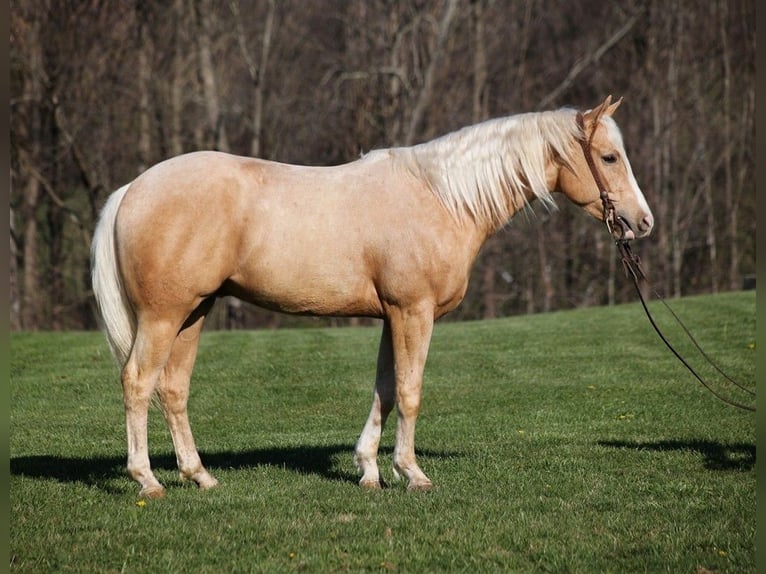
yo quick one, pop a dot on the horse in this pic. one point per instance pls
(392, 235)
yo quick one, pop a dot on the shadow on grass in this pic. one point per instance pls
(717, 456)
(101, 471)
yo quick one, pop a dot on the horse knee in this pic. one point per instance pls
(173, 398)
(408, 404)
(136, 391)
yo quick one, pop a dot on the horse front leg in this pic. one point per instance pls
(382, 405)
(411, 336)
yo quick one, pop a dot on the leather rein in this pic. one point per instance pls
(632, 266)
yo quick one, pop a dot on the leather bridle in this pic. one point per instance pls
(617, 227)
(632, 265)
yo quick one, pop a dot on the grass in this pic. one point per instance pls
(563, 442)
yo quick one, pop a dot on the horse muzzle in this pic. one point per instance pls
(629, 228)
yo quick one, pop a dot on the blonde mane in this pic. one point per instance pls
(487, 171)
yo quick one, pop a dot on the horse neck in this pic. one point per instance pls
(485, 174)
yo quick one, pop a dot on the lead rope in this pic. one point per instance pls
(632, 266)
(633, 269)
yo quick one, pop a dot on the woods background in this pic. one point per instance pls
(103, 89)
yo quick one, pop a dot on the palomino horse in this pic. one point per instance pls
(392, 235)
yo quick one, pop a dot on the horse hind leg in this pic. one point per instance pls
(173, 394)
(150, 352)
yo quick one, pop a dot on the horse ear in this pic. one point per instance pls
(592, 116)
(611, 108)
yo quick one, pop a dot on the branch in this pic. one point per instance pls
(86, 171)
(396, 72)
(60, 203)
(242, 41)
(583, 63)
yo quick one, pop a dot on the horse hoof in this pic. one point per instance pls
(152, 492)
(203, 479)
(419, 487)
(371, 484)
(207, 483)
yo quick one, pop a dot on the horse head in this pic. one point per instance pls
(607, 169)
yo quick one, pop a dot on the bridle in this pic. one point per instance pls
(616, 226)
(632, 265)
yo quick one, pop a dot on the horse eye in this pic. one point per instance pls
(609, 158)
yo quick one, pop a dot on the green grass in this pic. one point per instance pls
(564, 442)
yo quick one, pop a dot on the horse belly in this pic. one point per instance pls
(299, 285)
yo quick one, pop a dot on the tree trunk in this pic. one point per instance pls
(31, 296)
(144, 76)
(257, 72)
(13, 279)
(479, 112)
(743, 171)
(545, 270)
(54, 276)
(710, 234)
(726, 136)
(491, 253)
(480, 98)
(177, 82)
(657, 181)
(29, 135)
(215, 119)
(426, 92)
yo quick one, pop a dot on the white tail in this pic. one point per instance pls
(116, 312)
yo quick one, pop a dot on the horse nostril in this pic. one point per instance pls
(647, 223)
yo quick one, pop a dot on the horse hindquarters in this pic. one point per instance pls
(155, 351)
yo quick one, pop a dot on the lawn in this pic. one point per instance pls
(561, 442)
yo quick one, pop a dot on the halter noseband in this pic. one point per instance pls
(615, 225)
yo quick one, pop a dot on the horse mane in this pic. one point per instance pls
(486, 171)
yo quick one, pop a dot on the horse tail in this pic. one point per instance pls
(117, 314)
